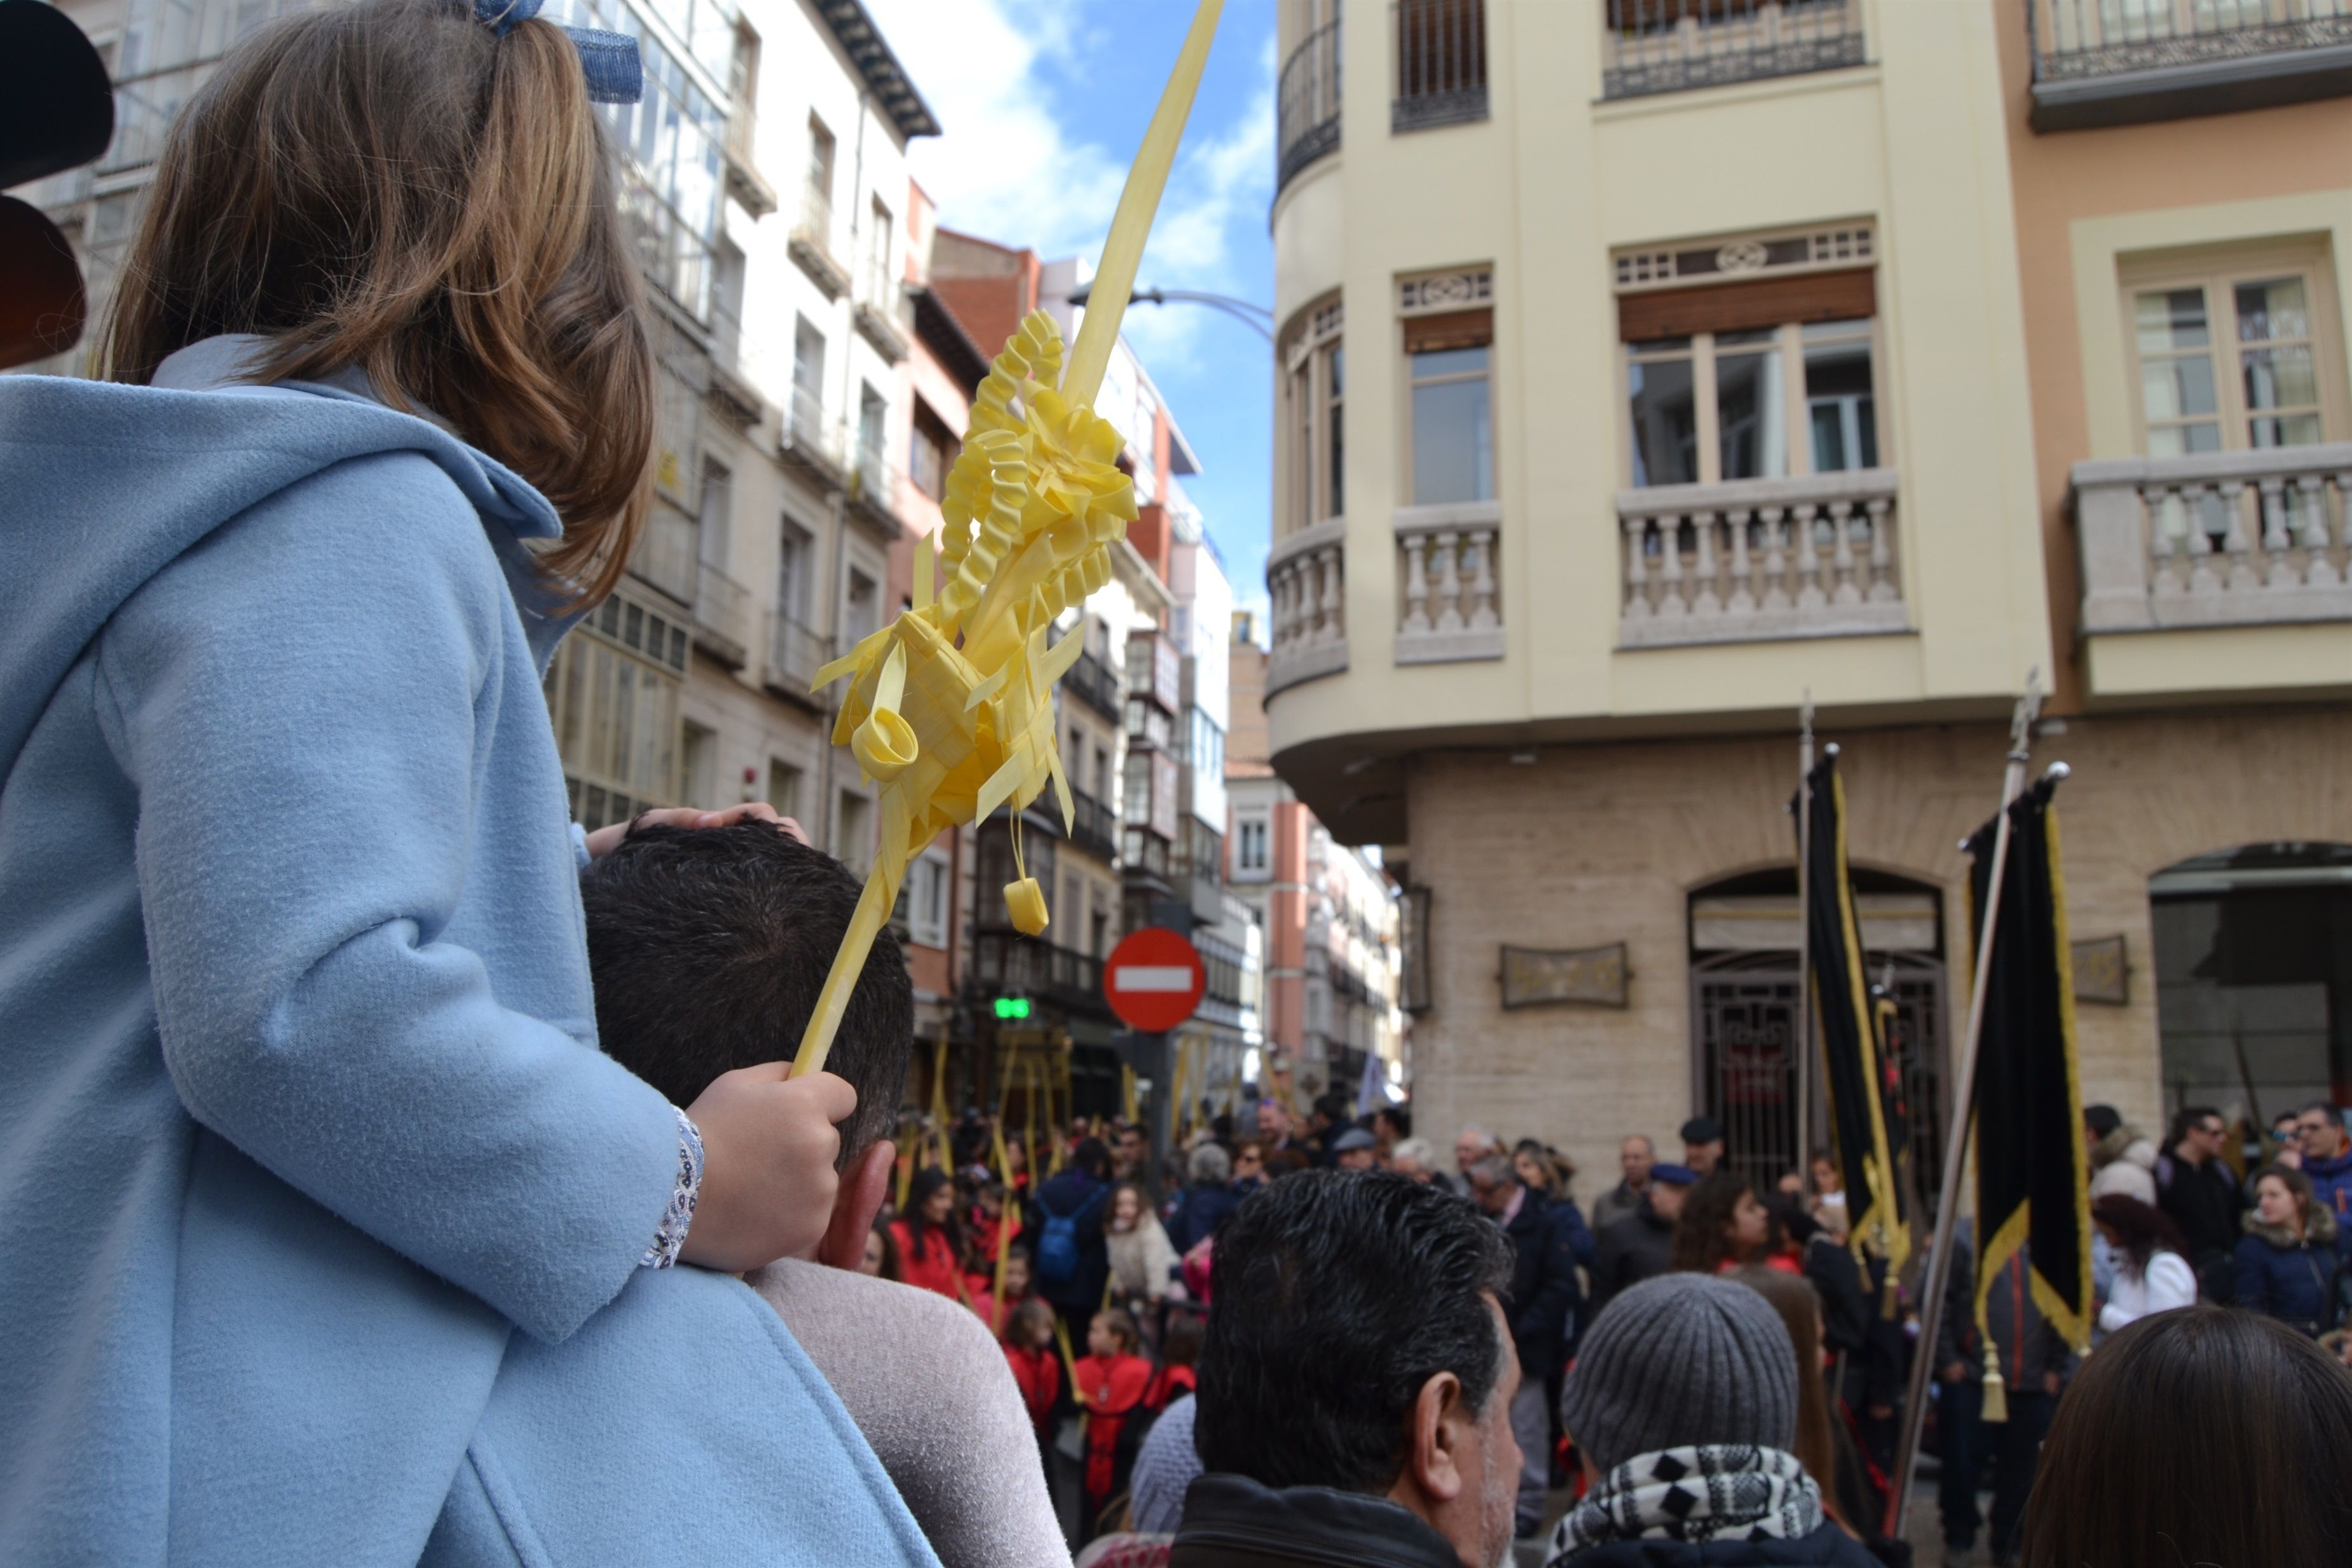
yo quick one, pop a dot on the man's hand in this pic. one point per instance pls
(1953, 1372)
(601, 842)
(768, 1147)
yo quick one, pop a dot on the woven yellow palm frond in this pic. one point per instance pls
(950, 708)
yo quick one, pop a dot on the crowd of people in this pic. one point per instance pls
(404, 1175)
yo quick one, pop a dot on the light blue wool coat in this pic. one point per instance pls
(319, 1211)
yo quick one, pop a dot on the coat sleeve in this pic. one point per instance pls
(297, 703)
(2253, 1279)
(2171, 1283)
(1580, 1234)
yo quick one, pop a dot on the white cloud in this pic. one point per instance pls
(1009, 169)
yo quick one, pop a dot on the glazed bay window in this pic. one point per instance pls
(1757, 506)
(1450, 359)
(1305, 573)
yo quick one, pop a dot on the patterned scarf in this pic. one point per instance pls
(1713, 1492)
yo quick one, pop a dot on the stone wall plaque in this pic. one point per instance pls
(1595, 976)
(2103, 971)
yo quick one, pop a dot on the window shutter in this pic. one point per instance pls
(1847, 296)
(1450, 330)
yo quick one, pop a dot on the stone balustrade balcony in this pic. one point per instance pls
(1760, 559)
(1305, 580)
(1452, 605)
(2224, 538)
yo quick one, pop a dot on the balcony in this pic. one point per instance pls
(1675, 45)
(2229, 538)
(664, 554)
(1005, 963)
(810, 245)
(722, 616)
(1441, 64)
(1092, 682)
(1452, 609)
(1307, 112)
(810, 441)
(1760, 559)
(873, 490)
(731, 393)
(795, 653)
(744, 181)
(2122, 62)
(1306, 582)
(879, 328)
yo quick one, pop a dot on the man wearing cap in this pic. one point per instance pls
(1640, 1245)
(1354, 1149)
(1682, 1407)
(1703, 1143)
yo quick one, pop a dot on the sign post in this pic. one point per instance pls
(1153, 980)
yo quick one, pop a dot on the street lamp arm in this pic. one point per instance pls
(1257, 317)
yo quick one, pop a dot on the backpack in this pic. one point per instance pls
(1056, 1258)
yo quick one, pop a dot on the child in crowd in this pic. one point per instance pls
(1112, 1382)
(1019, 1288)
(926, 1234)
(709, 948)
(880, 1260)
(1180, 1347)
(1036, 1364)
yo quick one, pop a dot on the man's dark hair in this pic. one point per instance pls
(707, 948)
(1338, 1295)
(2190, 1116)
(1334, 1106)
(2328, 1108)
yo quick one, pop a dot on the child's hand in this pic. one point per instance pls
(767, 1183)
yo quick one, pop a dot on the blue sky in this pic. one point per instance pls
(1041, 103)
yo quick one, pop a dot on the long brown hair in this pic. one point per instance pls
(389, 184)
(1703, 1235)
(2204, 1435)
(1801, 1311)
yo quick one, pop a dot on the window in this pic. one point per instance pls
(879, 292)
(820, 161)
(933, 453)
(1074, 762)
(853, 832)
(859, 623)
(727, 303)
(1105, 786)
(612, 697)
(1099, 930)
(873, 414)
(792, 573)
(1713, 406)
(699, 767)
(2230, 364)
(715, 526)
(808, 383)
(1249, 845)
(1313, 393)
(1449, 360)
(924, 902)
(783, 788)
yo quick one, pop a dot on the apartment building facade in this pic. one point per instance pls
(1329, 915)
(1732, 375)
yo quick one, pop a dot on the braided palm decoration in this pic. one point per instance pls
(950, 707)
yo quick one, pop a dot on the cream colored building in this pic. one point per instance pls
(1707, 354)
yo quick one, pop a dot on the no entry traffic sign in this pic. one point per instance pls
(1153, 979)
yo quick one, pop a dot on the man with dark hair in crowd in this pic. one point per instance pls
(1640, 1245)
(2196, 1187)
(1703, 1144)
(1333, 1114)
(1544, 1299)
(707, 948)
(1356, 1384)
(1130, 1152)
(2328, 1158)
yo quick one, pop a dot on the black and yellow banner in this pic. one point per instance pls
(1848, 1027)
(2032, 1171)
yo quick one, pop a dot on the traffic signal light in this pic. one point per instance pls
(1012, 1006)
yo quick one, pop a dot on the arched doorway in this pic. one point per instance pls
(1744, 980)
(2254, 979)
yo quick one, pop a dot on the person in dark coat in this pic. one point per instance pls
(1544, 1299)
(2197, 1189)
(2034, 1365)
(2291, 1261)
(1209, 1199)
(1072, 1261)
(1640, 1245)
(1684, 1405)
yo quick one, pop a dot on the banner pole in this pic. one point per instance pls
(1937, 1275)
(1804, 1040)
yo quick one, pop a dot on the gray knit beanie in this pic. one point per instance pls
(1680, 1360)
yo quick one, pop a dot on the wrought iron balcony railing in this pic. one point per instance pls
(1441, 63)
(1673, 46)
(2118, 62)
(1307, 112)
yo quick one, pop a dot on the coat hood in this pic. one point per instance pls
(2319, 1231)
(2126, 1143)
(106, 485)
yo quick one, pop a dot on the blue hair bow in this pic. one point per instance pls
(608, 61)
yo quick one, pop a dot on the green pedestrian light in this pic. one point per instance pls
(1012, 1006)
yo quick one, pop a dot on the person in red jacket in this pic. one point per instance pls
(1019, 1288)
(927, 1242)
(1112, 1382)
(1037, 1366)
